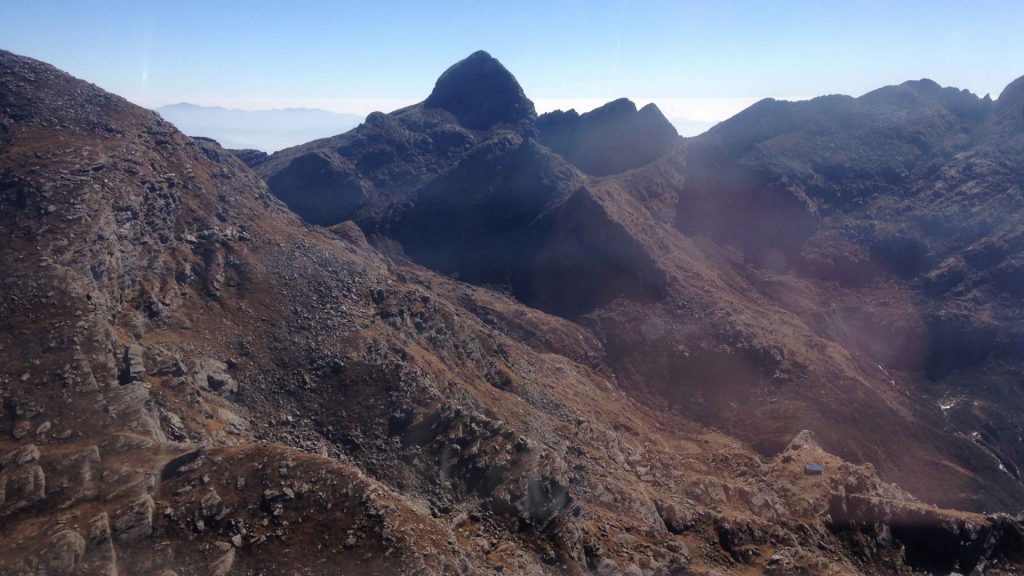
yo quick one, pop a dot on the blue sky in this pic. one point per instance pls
(698, 59)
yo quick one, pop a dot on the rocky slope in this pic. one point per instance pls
(194, 381)
(845, 265)
(908, 199)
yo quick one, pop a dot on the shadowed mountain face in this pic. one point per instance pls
(481, 93)
(611, 139)
(906, 203)
(464, 187)
(803, 265)
(194, 381)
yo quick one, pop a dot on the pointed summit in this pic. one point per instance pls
(480, 92)
(1012, 95)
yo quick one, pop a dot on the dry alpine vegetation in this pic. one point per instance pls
(484, 342)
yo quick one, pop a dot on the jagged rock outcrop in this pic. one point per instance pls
(613, 138)
(252, 158)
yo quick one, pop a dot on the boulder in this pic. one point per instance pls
(222, 565)
(21, 487)
(134, 364)
(135, 521)
(63, 552)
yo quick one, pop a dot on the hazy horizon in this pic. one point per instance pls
(690, 117)
(700, 63)
(266, 130)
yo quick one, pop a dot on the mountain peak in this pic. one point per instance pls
(481, 92)
(482, 55)
(616, 108)
(914, 94)
(1013, 93)
(609, 139)
(924, 84)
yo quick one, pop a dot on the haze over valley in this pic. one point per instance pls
(264, 130)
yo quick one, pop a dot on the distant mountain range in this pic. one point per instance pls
(266, 130)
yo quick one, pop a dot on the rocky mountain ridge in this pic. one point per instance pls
(194, 381)
(778, 273)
